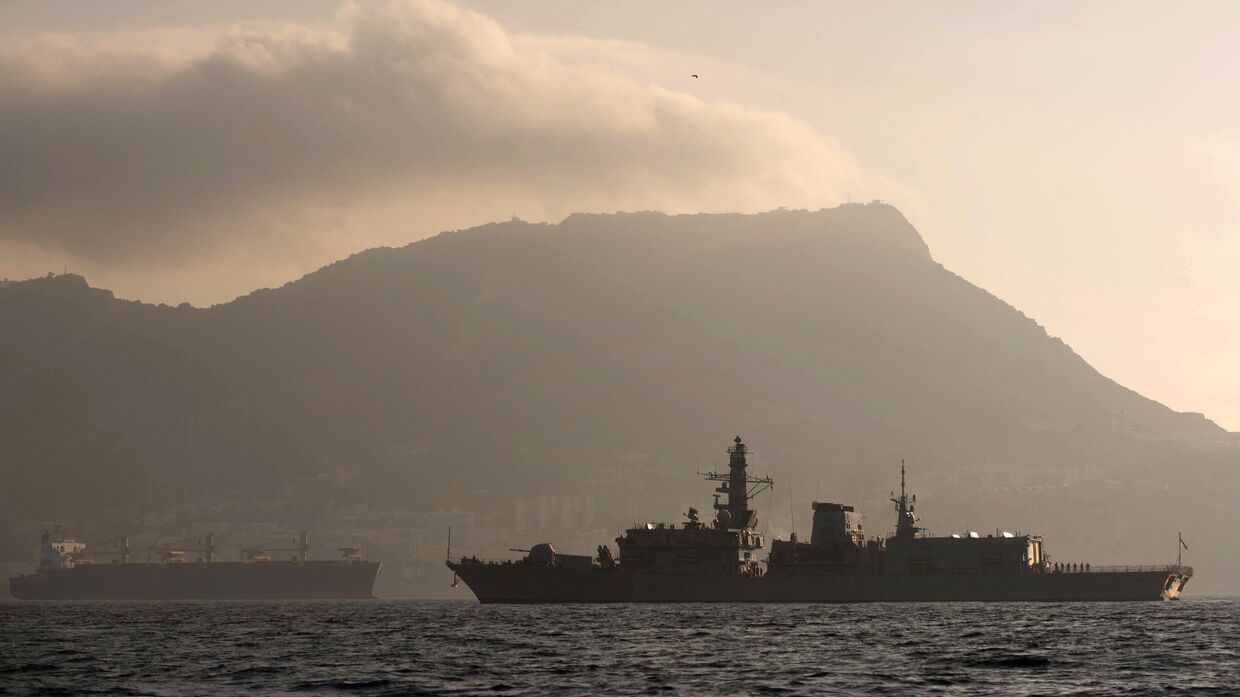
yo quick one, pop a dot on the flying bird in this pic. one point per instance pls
(694, 76)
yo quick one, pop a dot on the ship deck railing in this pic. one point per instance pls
(472, 559)
(1129, 569)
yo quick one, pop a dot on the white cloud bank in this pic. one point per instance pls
(277, 150)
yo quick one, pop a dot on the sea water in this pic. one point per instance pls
(457, 648)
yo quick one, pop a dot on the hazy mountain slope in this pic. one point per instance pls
(97, 414)
(514, 358)
(604, 331)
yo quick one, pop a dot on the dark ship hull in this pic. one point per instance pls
(523, 583)
(268, 580)
(716, 562)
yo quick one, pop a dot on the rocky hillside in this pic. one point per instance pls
(513, 358)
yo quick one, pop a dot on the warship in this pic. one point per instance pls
(67, 571)
(717, 562)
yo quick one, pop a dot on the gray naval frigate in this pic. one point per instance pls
(717, 562)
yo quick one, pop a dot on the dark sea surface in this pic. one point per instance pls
(410, 647)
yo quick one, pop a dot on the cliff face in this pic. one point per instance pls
(513, 357)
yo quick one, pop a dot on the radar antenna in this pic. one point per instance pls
(906, 521)
(738, 486)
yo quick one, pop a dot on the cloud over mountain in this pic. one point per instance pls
(305, 143)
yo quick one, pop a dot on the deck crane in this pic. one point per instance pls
(121, 552)
(176, 554)
(262, 553)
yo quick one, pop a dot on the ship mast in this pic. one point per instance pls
(738, 486)
(906, 522)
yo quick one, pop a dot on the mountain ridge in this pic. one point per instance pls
(517, 357)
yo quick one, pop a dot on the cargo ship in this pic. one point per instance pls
(68, 571)
(717, 561)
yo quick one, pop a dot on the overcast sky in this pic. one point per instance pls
(1079, 160)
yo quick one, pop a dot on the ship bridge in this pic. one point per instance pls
(725, 546)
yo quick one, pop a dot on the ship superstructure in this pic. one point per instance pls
(68, 571)
(716, 561)
(726, 545)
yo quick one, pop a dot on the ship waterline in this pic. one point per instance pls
(716, 562)
(272, 580)
(519, 583)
